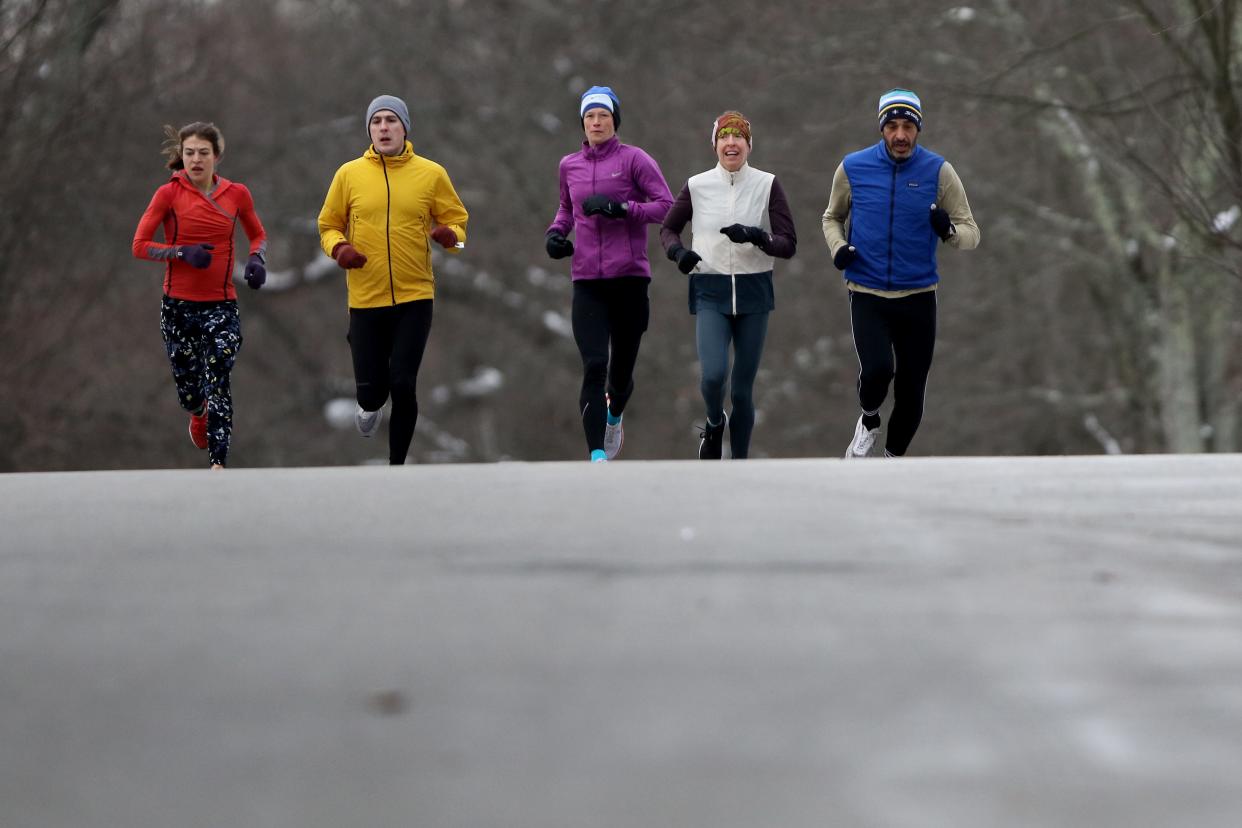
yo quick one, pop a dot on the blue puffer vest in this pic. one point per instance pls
(889, 221)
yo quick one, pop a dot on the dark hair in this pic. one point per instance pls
(199, 129)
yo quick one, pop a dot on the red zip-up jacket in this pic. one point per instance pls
(190, 217)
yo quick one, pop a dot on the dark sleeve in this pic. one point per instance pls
(784, 240)
(678, 217)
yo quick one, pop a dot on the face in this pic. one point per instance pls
(387, 132)
(200, 160)
(597, 123)
(732, 150)
(900, 136)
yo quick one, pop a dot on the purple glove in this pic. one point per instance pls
(256, 273)
(196, 255)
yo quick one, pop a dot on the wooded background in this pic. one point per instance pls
(1099, 144)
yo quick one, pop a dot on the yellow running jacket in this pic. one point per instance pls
(386, 207)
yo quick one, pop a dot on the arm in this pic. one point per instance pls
(657, 198)
(838, 211)
(676, 220)
(144, 245)
(333, 215)
(564, 221)
(449, 211)
(951, 195)
(253, 227)
(783, 240)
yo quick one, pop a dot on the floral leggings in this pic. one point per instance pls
(202, 340)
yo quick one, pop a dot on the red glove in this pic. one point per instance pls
(444, 236)
(347, 256)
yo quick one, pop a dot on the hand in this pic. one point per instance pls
(686, 259)
(741, 234)
(196, 255)
(558, 246)
(940, 222)
(256, 273)
(443, 236)
(347, 256)
(845, 256)
(603, 205)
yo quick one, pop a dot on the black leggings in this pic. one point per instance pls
(202, 340)
(894, 339)
(387, 345)
(609, 318)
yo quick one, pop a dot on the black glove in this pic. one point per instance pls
(256, 273)
(558, 246)
(196, 255)
(604, 206)
(741, 233)
(686, 258)
(845, 256)
(940, 222)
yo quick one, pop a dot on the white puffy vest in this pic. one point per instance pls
(720, 198)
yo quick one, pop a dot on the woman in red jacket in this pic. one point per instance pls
(199, 212)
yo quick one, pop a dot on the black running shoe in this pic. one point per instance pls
(711, 446)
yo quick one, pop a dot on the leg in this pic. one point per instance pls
(221, 343)
(410, 343)
(370, 345)
(749, 332)
(873, 342)
(590, 324)
(181, 333)
(629, 310)
(914, 342)
(712, 334)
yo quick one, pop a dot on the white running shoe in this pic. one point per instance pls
(864, 439)
(368, 422)
(614, 436)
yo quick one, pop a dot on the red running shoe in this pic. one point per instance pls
(198, 429)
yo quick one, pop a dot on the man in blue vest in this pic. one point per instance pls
(900, 202)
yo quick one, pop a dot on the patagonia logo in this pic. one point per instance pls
(913, 184)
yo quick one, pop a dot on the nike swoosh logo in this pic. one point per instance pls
(617, 173)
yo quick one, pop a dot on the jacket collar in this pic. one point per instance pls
(603, 150)
(218, 184)
(733, 177)
(407, 152)
(881, 150)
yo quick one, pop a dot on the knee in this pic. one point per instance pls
(595, 370)
(712, 382)
(879, 375)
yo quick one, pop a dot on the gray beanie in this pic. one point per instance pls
(393, 103)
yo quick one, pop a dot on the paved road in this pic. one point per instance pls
(932, 642)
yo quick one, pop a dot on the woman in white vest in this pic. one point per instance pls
(740, 223)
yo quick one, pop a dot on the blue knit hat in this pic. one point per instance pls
(901, 103)
(393, 104)
(604, 97)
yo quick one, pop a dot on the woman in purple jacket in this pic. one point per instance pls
(610, 192)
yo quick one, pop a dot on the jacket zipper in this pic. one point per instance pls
(599, 225)
(892, 203)
(392, 289)
(732, 263)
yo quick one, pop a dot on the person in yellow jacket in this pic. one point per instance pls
(381, 215)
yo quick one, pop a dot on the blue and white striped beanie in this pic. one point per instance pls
(601, 96)
(901, 103)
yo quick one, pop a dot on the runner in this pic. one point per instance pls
(198, 212)
(382, 213)
(740, 220)
(901, 200)
(609, 193)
